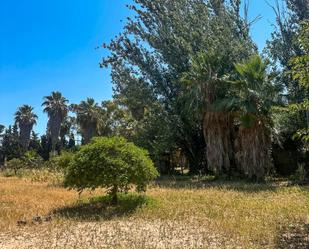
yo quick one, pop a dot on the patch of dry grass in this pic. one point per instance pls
(128, 233)
(255, 216)
(186, 215)
(22, 199)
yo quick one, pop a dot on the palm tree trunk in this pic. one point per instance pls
(54, 126)
(25, 133)
(217, 134)
(253, 151)
(89, 132)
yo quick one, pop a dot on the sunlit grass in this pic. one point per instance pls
(252, 215)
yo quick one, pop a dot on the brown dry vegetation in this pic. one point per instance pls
(173, 215)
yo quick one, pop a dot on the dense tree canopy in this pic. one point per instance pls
(191, 88)
(158, 47)
(300, 73)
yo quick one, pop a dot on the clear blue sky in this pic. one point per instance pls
(48, 45)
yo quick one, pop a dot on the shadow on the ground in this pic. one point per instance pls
(295, 237)
(188, 182)
(100, 208)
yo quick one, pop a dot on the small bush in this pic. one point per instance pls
(59, 163)
(15, 165)
(111, 163)
(32, 160)
(64, 160)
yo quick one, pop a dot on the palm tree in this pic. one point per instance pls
(205, 83)
(25, 119)
(56, 108)
(253, 96)
(88, 118)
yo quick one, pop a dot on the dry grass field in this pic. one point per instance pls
(173, 214)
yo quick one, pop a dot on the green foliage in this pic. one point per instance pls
(10, 144)
(45, 147)
(187, 78)
(65, 159)
(300, 73)
(254, 93)
(286, 122)
(111, 163)
(61, 162)
(25, 119)
(116, 120)
(250, 98)
(284, 44)
(88, 118)
(55, 105)
(67, 138)
(32, 160)
(156, 50)
(300, 68)
(300, 175)
(303, 135)
(15, 165)
(289, 48)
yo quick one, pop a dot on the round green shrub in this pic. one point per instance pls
(15, 165)
(65, 159)
(61, 162)
(111, 163)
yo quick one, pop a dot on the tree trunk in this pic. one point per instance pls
(217, 134)
(253, 151)
(53, 131)
(89, 132)
(25, 133)
(114, 195)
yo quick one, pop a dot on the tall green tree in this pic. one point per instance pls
(300, 72)
(11, 147)
(45, 147)
(117, 120)
(34, 144)
(149, 58)
(56, 107)
(25, 118)
(283, 45)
